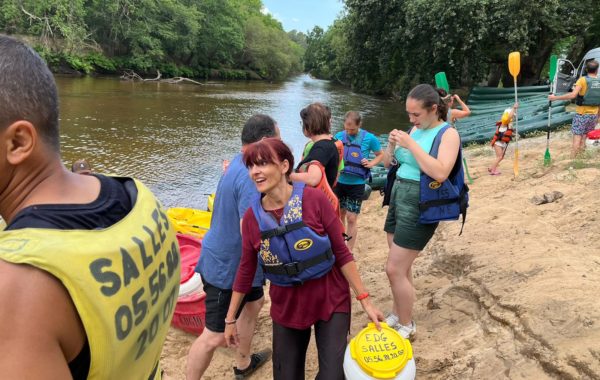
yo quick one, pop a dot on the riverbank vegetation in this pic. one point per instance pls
(388, 46)
(229, 39)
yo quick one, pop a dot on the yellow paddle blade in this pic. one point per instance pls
(516, 163)
(514, 63)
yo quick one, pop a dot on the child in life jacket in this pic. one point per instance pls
(502, 137)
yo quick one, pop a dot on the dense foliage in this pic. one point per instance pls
(387, 46)
(179, 37)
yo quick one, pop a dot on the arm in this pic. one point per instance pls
(350, 271)
(463, 112)
(231, 336)
(568, 96)
(375, 147)
(437, 168)
(312, 177)
(343, 258)
(378, 158)
(39, 325)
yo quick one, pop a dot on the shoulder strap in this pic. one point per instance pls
(438, 140)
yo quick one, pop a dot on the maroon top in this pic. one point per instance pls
(299, 307)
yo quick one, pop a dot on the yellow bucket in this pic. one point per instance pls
(381, 354)
(190, 221)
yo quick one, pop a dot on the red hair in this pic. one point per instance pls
(268, 151)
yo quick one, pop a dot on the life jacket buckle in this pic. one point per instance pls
(292, 269)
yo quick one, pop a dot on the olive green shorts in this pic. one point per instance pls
(403, 217)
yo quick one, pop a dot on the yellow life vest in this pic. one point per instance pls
(123, 280)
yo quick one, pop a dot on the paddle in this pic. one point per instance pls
(552, 74)
(442, 82)
(514, 66)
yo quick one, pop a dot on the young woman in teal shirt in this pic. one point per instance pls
(406, 236)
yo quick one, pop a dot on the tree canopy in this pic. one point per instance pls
(388, 46)
(177, 37)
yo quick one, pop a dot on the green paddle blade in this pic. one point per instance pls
(441, 81)
(553, 64)
(547, 158)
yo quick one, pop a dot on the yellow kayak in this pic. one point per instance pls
(211, 202)
(190, 221)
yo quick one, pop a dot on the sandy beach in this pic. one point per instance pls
(514, 297)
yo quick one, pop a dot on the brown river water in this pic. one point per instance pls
(175, 137)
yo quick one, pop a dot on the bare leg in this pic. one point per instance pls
(499, 156)
(202, 352)
(398, 270)
(245, 326)
(343, 217)
(351, 219)
(576, 145)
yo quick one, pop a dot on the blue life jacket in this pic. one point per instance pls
(446, 200)
(290, 251)
(353, 156)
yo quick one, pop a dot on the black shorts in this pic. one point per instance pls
(350, 196)
(217, 304)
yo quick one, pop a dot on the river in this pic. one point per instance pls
(174, 137)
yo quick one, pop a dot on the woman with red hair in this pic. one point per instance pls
(291, 231)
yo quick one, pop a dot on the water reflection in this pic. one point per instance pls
(174, 137)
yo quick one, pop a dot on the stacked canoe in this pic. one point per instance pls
(487, 105)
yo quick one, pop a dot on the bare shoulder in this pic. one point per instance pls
(37, 318)
(451, 135)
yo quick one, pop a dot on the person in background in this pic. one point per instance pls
(81, 167)
(454, 113)
(320, 167)
(219, 260)
(350, 188)
(89, 290)
(293, 233)
(587, 95)
(502, 137)
(430, 169)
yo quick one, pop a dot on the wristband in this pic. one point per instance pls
(232, 322)
(362, 296)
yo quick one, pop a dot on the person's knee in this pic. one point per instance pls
(391, 269)
(210, 340)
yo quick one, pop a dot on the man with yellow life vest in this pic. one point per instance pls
(587, 97)
(502, 137)
(89, 265)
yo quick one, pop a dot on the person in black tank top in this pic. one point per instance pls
(316, 126)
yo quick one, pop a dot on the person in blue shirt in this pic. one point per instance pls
(219, 261)
(358, 144)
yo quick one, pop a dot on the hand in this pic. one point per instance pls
(231, 336)
(516, 105)
(401, 138)
(552, 97)
(456, 97)
(366, 163)
(391, 140)
(374, 313)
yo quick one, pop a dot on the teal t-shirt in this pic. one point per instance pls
(369, 144)
(409, 168)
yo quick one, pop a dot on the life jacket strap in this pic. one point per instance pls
(297, 267)
(354, 164)
(281, 230)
